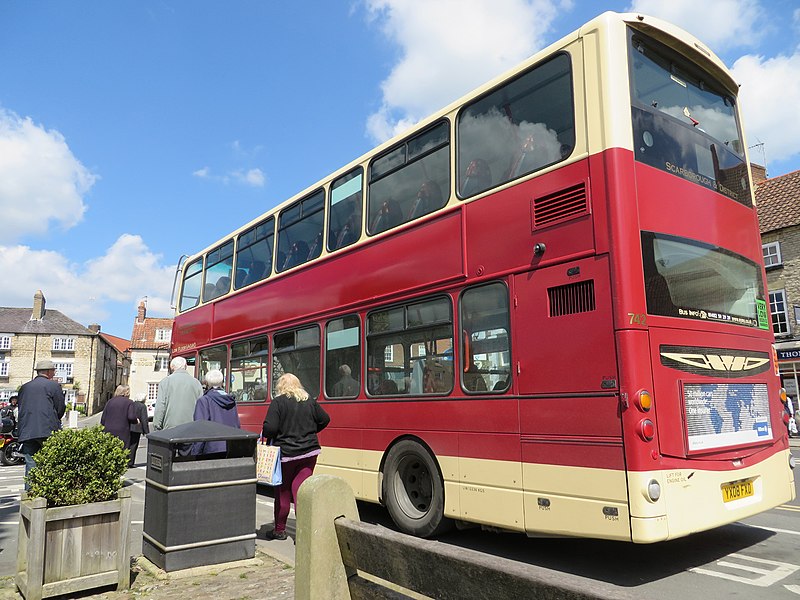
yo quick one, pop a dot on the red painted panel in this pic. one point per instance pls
(192, 329)
(499, 228)
(569, 353)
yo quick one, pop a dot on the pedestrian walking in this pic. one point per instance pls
(141, 426)
(118, 414)
(41, 408)
(177, 395)
(292, 423)
(218, 406)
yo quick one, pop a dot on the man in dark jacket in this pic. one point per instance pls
(41, 407)
(215, 405)
(141, 427)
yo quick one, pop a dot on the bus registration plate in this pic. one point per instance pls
(736, 490)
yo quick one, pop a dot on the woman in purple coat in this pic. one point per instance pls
(215, 405)
(118, 415)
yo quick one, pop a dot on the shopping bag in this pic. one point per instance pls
(268, 464)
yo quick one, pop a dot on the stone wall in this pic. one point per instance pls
(786, 278)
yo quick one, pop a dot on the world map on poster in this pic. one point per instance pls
(726, 414)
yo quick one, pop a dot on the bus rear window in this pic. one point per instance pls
(683, 122)
(692, 280)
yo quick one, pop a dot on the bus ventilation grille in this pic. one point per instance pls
(559, 206)
(572, 298)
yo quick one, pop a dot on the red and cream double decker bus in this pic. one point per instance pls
(542, 309)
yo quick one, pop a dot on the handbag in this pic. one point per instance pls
(268, 464)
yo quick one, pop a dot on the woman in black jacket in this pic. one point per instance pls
(292, 423)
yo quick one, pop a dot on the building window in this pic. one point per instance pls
(161, 363)
(163, 335)
(6, 394)
(772, 254)
(3, 369)
(780, 316)
(69, 396)
(388, 354)
(64, 344)
(63, 372)
(152, 391)
(5, 342)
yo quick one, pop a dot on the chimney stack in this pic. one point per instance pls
(94, 328)
(759, 174)
(141, 312)
(38, 306)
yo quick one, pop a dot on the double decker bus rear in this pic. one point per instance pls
(700, 396)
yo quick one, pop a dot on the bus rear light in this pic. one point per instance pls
(647, 430)
(782, 395)
(644, 400)
(653, 490)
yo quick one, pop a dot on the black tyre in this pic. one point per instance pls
(413, 490)
(7, 455)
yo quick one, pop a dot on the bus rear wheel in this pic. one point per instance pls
(413, 490)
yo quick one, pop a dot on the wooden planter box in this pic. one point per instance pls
(72, 548)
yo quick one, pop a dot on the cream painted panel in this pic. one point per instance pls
(496, 473)
(581, 517)
(346, 463)
(580, 482)
(692, 499)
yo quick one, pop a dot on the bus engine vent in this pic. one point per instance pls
(572, 298)
(561, 205)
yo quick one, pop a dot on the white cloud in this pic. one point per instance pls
(41, 181)
(720, 24)
(127, 271)
(769, 96)
(450, 47)
(251, 177)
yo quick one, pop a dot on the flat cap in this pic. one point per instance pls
(44, 365)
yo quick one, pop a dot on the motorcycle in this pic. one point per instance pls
(10, 446)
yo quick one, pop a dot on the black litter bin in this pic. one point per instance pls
(199, 510)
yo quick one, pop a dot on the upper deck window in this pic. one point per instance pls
(683, 121)
(219, 265)
(254, 253)
(344, 222)
(300, 231)
(409, 181)
(521, 127)
(192, 282)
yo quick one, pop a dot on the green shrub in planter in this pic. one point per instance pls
(78, 466)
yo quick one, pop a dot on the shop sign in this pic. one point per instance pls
(792, 354)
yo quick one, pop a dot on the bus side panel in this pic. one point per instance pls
(420, 256)
(569, 348)
(500, 229)
(192, 329)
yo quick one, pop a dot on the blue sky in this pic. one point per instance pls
(135, 131)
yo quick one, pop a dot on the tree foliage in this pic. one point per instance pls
(78, 466)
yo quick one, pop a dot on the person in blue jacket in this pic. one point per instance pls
(215, 405)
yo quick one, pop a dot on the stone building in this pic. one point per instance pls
(149, 350)
(88, 365)
(778, 201)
